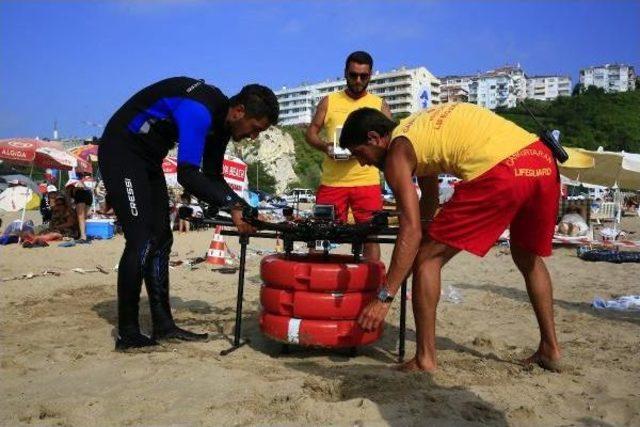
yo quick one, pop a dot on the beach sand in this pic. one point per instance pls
(58, 367)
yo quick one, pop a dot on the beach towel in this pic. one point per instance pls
(629, 302)
(608, 255)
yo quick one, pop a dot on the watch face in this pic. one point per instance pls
(384, 295)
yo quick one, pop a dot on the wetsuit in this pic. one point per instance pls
(134, 143)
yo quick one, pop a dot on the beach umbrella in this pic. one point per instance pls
(20, 179)
(87, 152)
(34, 152)
(86, 155)
(18, 198)
(606, 168)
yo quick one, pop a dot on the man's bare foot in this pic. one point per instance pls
(414, 365)
(545, 362)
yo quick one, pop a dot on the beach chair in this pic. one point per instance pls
(606, 211)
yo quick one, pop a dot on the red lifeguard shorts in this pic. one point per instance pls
(521, 193)
(363, 201)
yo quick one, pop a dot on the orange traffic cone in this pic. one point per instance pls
(216, 253)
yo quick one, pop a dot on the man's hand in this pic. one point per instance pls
(373, 315)
(329, 149)
(243, 227)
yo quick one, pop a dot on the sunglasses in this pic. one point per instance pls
(353, 75)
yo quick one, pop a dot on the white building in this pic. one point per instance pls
(455, 88)
(547, 88)
(405, 90)
(502, 87)
(610, 77)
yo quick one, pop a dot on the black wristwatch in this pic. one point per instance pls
(384, 295)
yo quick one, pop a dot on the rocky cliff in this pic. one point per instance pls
(275, 149)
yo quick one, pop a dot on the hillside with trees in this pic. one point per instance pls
(590, 119)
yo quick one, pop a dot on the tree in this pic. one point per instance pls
(577, 89)
(591, 120)
(399, 116)
(308, 164)
(259, 178)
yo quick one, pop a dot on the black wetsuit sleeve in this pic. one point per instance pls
(209, 188)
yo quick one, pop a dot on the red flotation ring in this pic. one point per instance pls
(314, 305)
(317, 333)
(317, 273)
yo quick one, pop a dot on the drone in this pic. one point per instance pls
(322, 228)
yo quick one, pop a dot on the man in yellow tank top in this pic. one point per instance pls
(509, 179)
(345, 183)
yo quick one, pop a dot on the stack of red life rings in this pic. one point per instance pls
(314, 300)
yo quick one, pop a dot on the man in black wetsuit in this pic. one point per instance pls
(201, 119)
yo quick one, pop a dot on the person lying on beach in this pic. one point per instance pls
(30, 240)
(509, 179)
(572, 223)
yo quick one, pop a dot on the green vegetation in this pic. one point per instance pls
(308, 162)
(399, 116)
(259, 178)
(590, 119)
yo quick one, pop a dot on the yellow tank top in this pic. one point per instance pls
(464, 140)
(346, 173)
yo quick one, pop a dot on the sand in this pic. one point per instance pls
(58, 367)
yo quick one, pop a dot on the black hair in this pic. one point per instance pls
(359, 57)
(360, 122)
(258, 101)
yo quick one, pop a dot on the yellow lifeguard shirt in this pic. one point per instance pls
(346, 173)
(461, 139)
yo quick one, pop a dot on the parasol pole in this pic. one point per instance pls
(617, 198)
(24, 208)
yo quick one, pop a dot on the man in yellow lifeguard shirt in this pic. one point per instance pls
(509, 179)
(345, 183)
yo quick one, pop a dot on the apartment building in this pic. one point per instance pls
(502, 87)
(405, 90)
(610, 77)
(455, 88)
(547, 88)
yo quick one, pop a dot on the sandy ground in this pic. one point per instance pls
(58, 366)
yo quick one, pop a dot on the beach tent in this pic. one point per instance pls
(17, 198)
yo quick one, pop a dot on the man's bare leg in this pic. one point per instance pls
(427, 268)
(371, 251)
(540, 292)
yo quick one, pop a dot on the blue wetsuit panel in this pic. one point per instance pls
(192, 119)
